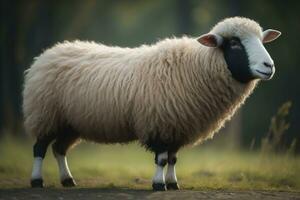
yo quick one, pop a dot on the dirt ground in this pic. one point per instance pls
(93, 194)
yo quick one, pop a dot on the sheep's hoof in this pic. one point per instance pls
(172, 186)
(68, 182)
(159, 187)
(36, 183)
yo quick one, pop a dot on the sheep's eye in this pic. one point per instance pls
(235, 44)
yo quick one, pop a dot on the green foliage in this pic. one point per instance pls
(273, 142)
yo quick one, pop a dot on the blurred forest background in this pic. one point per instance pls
(30, 26)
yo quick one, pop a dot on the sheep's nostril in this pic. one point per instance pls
(268, 65)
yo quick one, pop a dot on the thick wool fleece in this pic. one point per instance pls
(176, 90)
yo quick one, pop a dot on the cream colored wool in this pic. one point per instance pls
(176, 90)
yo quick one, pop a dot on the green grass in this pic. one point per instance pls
(130, 166)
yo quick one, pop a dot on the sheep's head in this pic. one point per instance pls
(241, 41)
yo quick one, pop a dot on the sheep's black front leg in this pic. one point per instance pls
(158, 181)
(171, 179)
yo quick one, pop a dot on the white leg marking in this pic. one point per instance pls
(159, 173)
(37, 168)
(171, 174)
(64, 171)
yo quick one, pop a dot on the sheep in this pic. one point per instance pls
(177, 92)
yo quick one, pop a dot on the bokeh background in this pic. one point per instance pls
(29, 27)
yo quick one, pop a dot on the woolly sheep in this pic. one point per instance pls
(176, 92)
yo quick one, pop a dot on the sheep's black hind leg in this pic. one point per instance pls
(171, 179)
(64, 141)
(39, 152)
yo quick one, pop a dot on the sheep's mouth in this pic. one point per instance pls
(264, 73)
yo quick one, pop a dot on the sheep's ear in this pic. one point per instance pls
(270, 35)
(210, 40)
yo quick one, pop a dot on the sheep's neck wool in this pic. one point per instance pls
(218, 93)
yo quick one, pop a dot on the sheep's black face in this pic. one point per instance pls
(237, 59)
(247, 59)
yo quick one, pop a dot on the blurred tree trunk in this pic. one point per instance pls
(2, 26)
(11, 98)
(17, 46)
(234, 131)
(41, 34)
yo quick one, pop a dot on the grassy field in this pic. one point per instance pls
(130, 166)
